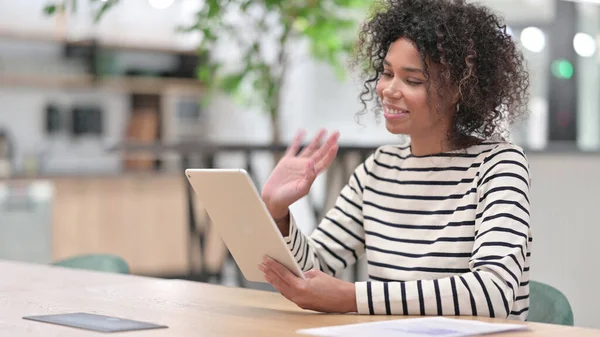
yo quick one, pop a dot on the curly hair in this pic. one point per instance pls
(476, 57)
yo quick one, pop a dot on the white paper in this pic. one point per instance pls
(415, 327)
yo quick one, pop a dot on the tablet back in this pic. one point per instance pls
(241, 219)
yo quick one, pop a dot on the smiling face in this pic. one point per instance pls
(409, 108)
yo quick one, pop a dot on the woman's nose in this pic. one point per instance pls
(392, 93)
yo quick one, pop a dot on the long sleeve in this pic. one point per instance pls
(339, 240)
(499, 262)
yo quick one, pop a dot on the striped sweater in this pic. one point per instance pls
(444, 234)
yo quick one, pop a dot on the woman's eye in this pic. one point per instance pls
(387, 74)
(413, 83)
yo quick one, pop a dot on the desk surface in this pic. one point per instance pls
(188, 308)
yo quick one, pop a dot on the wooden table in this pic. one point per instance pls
(188, 308)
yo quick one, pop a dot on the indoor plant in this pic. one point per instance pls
(264, 32)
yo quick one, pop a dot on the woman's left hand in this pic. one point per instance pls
(318, 292)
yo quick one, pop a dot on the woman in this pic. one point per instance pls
(444, 219)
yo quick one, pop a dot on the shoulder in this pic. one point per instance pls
(505, 159)
(506, 147)
(502, 151)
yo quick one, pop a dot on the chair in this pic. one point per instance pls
(548, 305)
(96, 262)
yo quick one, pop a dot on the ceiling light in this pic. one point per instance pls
(584, 44)
(533, 39)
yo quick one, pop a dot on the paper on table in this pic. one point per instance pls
(415, 327)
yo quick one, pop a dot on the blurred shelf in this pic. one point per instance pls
(88, 42)
(128, 47)
(126, 84)
(87, 50)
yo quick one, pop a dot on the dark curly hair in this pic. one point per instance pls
(476, 57)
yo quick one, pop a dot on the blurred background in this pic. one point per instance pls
(103, 104)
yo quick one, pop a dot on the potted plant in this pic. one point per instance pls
(263, 33)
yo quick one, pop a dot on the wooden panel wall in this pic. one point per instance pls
(142, 218)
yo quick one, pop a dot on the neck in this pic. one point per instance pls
(434, 140)
(424, 146)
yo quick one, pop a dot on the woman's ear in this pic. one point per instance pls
(456, 97)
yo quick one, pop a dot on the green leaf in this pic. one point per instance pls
(208, 34)
(344, 24)
(214, 8)
(187, 29)
(300, 24)
(230, 83)
(270, 4)
(50, 9)
(103, 10)
(245, 5)
(351, 3)
(334, 42)
(377, 7)
(204, 74)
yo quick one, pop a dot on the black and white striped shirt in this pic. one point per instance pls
(444, 234)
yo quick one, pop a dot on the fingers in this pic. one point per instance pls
(326, 153)
(314, 145)
(282, 272)
(277, 283)
(312, 273)
(326, 161)
(281, 278)
(295, 145)
(280, 286)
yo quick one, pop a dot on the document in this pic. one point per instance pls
(415, 327)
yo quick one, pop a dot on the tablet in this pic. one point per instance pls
(95, 322)
(242, 219)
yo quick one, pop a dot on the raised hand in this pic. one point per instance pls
(293, 176)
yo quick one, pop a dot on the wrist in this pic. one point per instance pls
(283, 223)
(283, 218)
(349, 296)
(277, 212)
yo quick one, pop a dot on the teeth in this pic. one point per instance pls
(396, 112)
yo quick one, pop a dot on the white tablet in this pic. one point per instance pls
(242, 219)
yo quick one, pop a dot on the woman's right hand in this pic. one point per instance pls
(293, 176)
